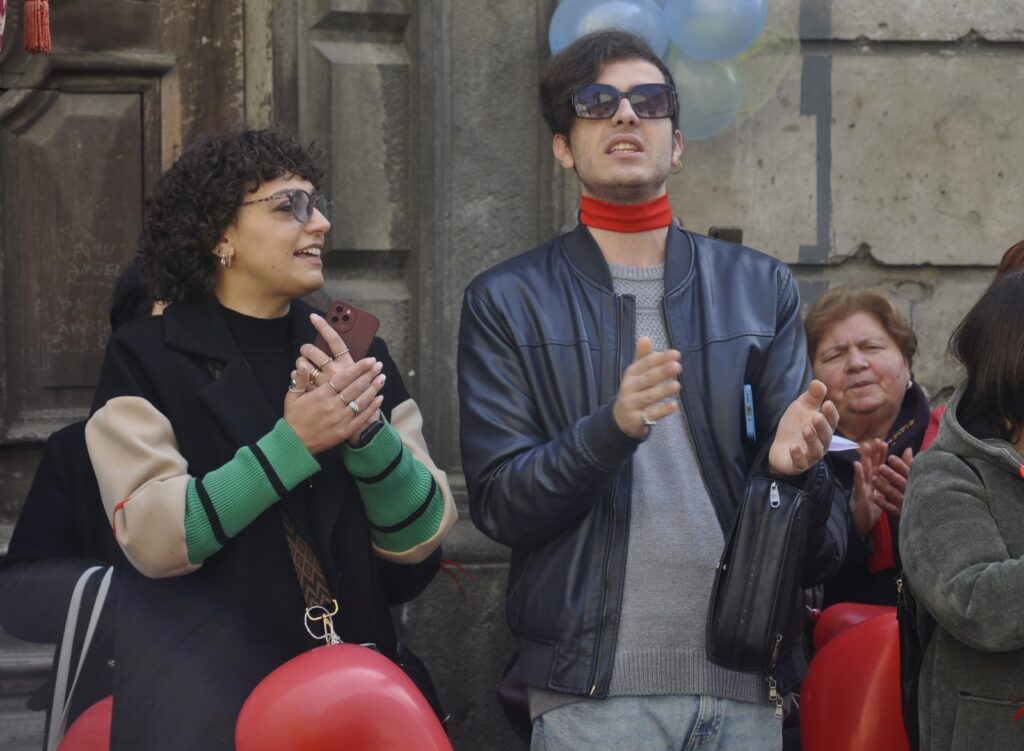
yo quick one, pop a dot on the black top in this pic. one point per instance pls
(266, 345)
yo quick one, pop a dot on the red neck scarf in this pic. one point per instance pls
(631, 217)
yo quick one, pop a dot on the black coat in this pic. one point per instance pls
(62, 531)
(192, 647)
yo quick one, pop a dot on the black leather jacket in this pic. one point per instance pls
(542, 347)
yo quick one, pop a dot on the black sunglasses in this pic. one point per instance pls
(600, 101)
(300, 203)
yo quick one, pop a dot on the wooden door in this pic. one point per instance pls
(84, 131)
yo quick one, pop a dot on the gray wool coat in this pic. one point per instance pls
(962, 544)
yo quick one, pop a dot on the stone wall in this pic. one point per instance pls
(886, 156)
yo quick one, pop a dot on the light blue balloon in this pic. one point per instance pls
(715, 29)
(710, 94)
(575, 18)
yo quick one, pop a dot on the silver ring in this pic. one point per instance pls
(648, 422)
(331, 384)
(354, 407)
(293, 387)
(336, 356)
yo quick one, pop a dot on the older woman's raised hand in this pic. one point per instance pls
(890, 483)
(334, 398)
(863, 507)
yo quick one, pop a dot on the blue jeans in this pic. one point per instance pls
(659, 723)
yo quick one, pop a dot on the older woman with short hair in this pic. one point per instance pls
(862, 348)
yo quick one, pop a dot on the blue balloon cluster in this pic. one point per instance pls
(709, 91)
(575, 18)
(715, 29)
(705, 34)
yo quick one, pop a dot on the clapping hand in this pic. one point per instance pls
(804, 433)
(890, 483)
(332, 398)
(863, 507)
(647, 384)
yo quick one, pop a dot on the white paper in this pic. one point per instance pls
(842, 444)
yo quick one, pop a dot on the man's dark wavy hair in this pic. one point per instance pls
(195, 200)
(581, 63)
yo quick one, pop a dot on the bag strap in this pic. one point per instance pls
(321, 607)
(308, 571)
(61, 694)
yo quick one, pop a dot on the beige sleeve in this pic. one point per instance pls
(408, 421)
(142, 479)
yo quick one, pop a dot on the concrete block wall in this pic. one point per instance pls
(886, 156)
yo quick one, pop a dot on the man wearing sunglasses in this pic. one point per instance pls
(602, 380)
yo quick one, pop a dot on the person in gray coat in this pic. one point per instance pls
(962, 537)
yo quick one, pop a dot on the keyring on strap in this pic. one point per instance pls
(320, 614)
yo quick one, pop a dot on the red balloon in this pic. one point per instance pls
(841, 616)
(850, 700)
(339, 696)
(91, 731)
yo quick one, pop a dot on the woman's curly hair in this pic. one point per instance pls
(195, 200)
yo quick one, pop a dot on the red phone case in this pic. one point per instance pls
(355, 326)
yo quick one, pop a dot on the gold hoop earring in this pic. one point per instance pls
(677, 167)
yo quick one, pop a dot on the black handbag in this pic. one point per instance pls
(756, 607)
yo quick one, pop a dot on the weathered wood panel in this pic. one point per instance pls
(83, 134)
(72, 187)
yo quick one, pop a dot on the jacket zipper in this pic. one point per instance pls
(615, 497)
(774, 502)
(689, 429)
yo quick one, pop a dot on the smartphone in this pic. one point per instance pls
(355, 326)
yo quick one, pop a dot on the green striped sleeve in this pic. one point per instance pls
(403, 502)
(222, 503)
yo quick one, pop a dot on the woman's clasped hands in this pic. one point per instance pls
(332, 398)
(879, 484)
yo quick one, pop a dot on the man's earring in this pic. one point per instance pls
(677, 167)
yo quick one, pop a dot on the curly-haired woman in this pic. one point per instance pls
(222, 440)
